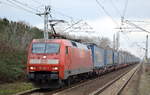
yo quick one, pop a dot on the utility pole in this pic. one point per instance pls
(146, 49)
(46, 13)
(117, 41)
(122, 21)
(114, 42)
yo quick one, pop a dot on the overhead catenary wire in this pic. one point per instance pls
(115, 7)
(141, 21)
(40, 3)
(19, 6)
(37, 2)
(123, 14)
(72, 25)
(132, 24)
(31, 8)
(102, 7)
(55, 11)
(14, 5)
(125, 9)
(8, 4)
(25, 5)
(123, 17)
(64, 15)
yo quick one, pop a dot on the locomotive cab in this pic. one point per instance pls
(44, 61)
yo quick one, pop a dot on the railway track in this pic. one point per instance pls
(38, 91)
(83, 87)
(90, 86)
(116, 86)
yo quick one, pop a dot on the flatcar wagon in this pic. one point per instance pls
(98, 58)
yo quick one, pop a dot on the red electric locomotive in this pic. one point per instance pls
(54, 62)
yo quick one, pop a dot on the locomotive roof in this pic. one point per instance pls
(66, 42)
(49, 40)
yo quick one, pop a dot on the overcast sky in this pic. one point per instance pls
(91, 12)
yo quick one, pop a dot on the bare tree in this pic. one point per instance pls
(104, 42)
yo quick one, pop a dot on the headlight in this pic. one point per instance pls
(35, 61)
(54, 68)
(32, 68)
(52, 61)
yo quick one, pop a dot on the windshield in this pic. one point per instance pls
(45, 48)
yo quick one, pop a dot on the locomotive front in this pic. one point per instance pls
(43, 64)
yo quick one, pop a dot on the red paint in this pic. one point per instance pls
(75, 59)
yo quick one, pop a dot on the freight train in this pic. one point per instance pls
(55, 62)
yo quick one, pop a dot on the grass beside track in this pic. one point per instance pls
(13, 88)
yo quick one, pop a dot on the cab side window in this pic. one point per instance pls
(67, 50)
(74, 44)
